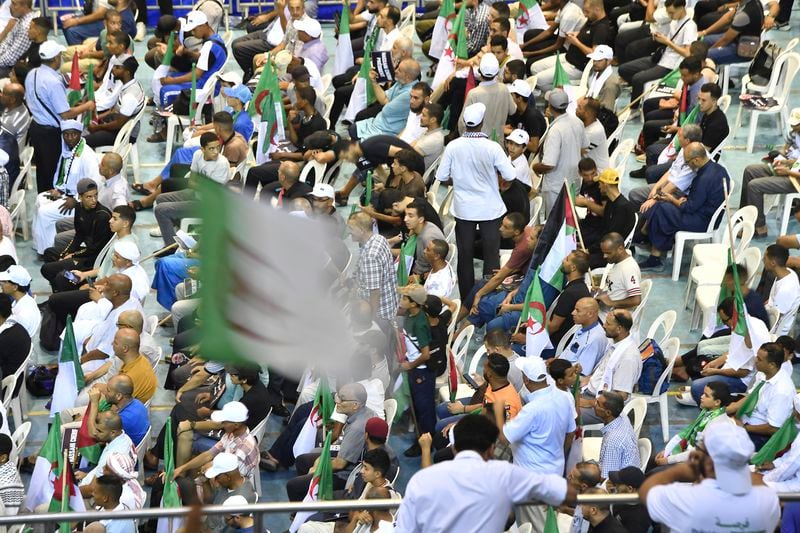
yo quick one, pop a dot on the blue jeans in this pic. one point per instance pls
(444, 415)
(735, 385)
(78, 34)
(422, 385)
(182, 156)
(487, 307)
(790, 521)
(725, 55)
(506, 322)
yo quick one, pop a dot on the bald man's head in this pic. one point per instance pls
(585, 311)
(111, 163)
(119, 284)
(132, 319)
(121, 384)
(408, 71)
(126, 342)
(108, 427)
(13, 94)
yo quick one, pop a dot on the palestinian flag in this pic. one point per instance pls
(452, 375)
(533, 315)
(406, 259)
(170, 499)
(193, 98)
(266, 324)
(471, 83)
(675, 144)
(363, 93)
(451, 51)
(69, 381)
(47, 467)
(74, 95)
(343, 59)
(321, 486)
(66, 496)
(320, 414)
(271, 129)
(530, 17)
(556, 242)
(442, 28)
(561, 81)
(88, 117)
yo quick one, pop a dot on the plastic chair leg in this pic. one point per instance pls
(677, 258)
(662, 405)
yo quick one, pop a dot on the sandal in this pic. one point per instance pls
(137, 205)
(139, 188)
(157, 137)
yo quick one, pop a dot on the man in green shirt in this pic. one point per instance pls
(421, 380)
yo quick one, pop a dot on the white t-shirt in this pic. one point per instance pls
(624, 280)
(522, 170)
(598, 144)
(569, 18)
(218, 170)
(785, 293)
(26, 313)
(442, 282)
(683, 33)
(705, 507)
(113, 192)
(7, 247)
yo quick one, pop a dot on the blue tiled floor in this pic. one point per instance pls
(666, 294)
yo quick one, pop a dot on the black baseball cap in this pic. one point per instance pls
(630, 475)
(166, 24)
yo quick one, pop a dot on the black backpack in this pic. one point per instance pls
(760, 68)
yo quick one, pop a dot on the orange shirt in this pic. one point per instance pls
(144, 378)
(505, 395)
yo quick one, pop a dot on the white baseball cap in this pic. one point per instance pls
(309, 26)
(50, 49)
(127, 250)
(323, 190)
(794, 117)
(237, 500)
(519, 136)
(489, 66)
(194, 19)
(730, 449)
(222, 464)
(520, 87)
(231, 76)
(603, 51)
(231, 412)
(16, 274)
(473, 114)
(533, 367)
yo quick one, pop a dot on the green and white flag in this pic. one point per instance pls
(321, 486)
(272, 128)
(561, 81)
(530, 17)
(363, 92)
(343, 59)
(266, 299)
(455, 46)
(442, 28)
(69, 381)
(170, 498)
(47, 467)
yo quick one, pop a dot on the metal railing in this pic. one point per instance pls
(258, 510)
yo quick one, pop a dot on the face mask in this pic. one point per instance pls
(228, 109)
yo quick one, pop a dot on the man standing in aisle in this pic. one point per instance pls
(471, 164)
(47, 100)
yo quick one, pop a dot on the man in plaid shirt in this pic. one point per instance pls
(375, 274)
(619, 447)
(17, 42)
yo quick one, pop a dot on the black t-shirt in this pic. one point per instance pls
(312, 125)
(531, 120)
(516, 199)
(573, 291)
(376, 152)
(748, 19)
(438, 344)
(15, 344)
(33, 55)
(591, 35)
(618, 216)
(715, 128)
(591, 190)
(634, 518)
(257, 401)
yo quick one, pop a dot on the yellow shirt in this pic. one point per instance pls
(144, 378)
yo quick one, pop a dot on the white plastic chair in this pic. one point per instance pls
(152, 325)
(461, 345)
(25, 158)
(788, 200)
(141, 449)
(16, 403)
(331, 174)
(724, 103)
(316, 166)
(646, 287)
(781, 96)
(532, 81)
(665, 320)
(464, 390)
(175, 121)
(682, 237)
(19, 214)
(389, 412)
(536, 210)
(629, 238)
(444, 209)
(451, 327)
(619, 157)
(430, 174)
(123, 145)
(670, 349)
(623, 118)
(325, 81)
(18, 440)
(450, 231)
(645, 450)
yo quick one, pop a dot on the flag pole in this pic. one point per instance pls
(575, 214)
(64, 493)
(639, 98)
(164, 249)
(727, 216)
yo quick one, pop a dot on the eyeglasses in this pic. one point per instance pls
(339, 399)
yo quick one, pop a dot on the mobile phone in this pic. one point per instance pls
(471, 382)
(72, 278)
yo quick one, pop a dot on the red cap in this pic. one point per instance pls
(377, 428)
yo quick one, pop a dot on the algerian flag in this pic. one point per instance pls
(70, 379)
(47, 467)
(66, 496)
(451, 51)
(407, 253)
(363, 93)
(88, 447)
(675, 144)
(267, 324)
(551, 521)
(193, 97)
(743, 327)
(343, 59)
(533, 315)
(777, 443)
(561, 81)
(170, 498)
(530, 17)
(163, 69)
(74, 94)
(272, 128)
(87, 117)
(558, 239)
(575, 454)
(320, 414)
(256, 107)
(321, 486)
(442, 28)
(671, 79)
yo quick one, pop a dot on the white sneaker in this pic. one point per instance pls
(155, 232)
(141, 31)
(686, 399)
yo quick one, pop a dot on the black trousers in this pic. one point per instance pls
(342, 89)
(263, 175)
(281, 449)
(786, 10)
(465, 236)
(67, 302)
(45, 140)
(141, 11)
(626, 37)
(245, 48)
(53, 267)
(101, 138)
(422, 385)
(297, 487)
